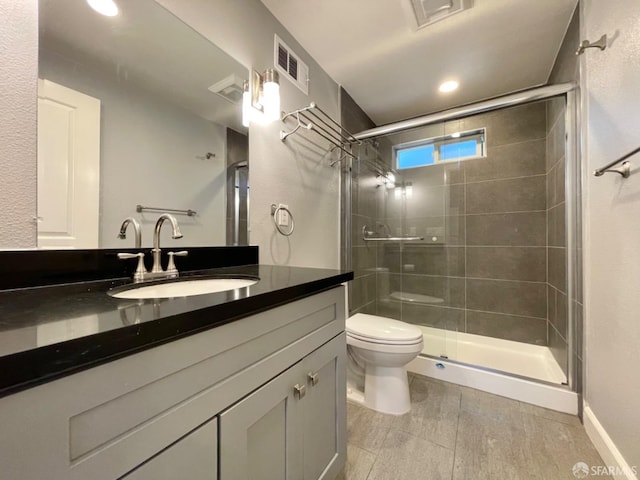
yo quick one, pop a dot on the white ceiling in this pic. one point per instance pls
(392, 69)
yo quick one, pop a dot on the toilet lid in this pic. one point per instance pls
(381, 329)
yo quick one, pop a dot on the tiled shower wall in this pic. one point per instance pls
(483, 262)
(494, 226)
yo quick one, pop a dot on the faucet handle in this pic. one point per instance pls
(171, 267)
(141, 271)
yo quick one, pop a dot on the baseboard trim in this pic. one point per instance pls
(610, 454)
(555, 398)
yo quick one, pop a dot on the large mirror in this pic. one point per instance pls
(138, 114)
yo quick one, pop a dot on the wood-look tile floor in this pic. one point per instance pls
(457, 433)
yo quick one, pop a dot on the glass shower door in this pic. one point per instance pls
(412, 279)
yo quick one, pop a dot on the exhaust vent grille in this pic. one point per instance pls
(431, 11)
(290, 65)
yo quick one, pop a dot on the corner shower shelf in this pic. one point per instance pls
(314, 119)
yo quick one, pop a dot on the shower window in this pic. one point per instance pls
(449, 148)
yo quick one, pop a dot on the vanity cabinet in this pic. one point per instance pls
(194, 457)
(220, 401)
(291, 427)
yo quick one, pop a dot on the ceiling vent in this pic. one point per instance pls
(431, 11)
(230, 88)
(290, 66)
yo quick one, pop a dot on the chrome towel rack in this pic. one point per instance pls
(374, 162)
(314, 119)
(188, 212)
(624, 169)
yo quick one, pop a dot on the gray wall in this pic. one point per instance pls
(18, 90)
(296, 173)
(151, 153)
(611, 122)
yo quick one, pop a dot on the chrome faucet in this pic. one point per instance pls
(141, 273)
(136, 228)
(157, 265)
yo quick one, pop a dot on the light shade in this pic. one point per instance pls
(271, 95)
(104, 7)
(264, 97)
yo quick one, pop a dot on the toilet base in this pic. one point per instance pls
(386, 390)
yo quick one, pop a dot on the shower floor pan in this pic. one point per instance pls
(521, 371)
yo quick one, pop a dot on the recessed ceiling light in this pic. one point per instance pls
(448, 86)
(104, 7)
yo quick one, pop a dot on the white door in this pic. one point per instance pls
(68, 167)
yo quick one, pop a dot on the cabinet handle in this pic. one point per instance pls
(299, 391)
(313, 378)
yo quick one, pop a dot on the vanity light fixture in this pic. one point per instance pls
(246, 104)
(271, 95)
(448, 86)
(264, 97)
(107, 8)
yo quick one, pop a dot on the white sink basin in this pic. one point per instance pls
(184, 288)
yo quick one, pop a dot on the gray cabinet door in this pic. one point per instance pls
(324, 413)
(260, 437)
(194, 457)
(277, 433)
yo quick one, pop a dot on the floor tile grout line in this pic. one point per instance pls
(455, 442)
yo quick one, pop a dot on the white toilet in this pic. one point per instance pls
(379, 349)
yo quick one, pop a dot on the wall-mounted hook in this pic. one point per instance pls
(601, 44)
(209, 155)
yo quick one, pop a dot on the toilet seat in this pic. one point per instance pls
(401, 348)
(363, 338)
(380, 330)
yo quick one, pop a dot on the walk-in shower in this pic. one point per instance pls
(464, 224)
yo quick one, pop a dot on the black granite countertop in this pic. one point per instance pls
(51, 331)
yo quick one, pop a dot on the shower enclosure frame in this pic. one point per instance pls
(570, 93)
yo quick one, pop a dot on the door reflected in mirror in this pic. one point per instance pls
(137, 109)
